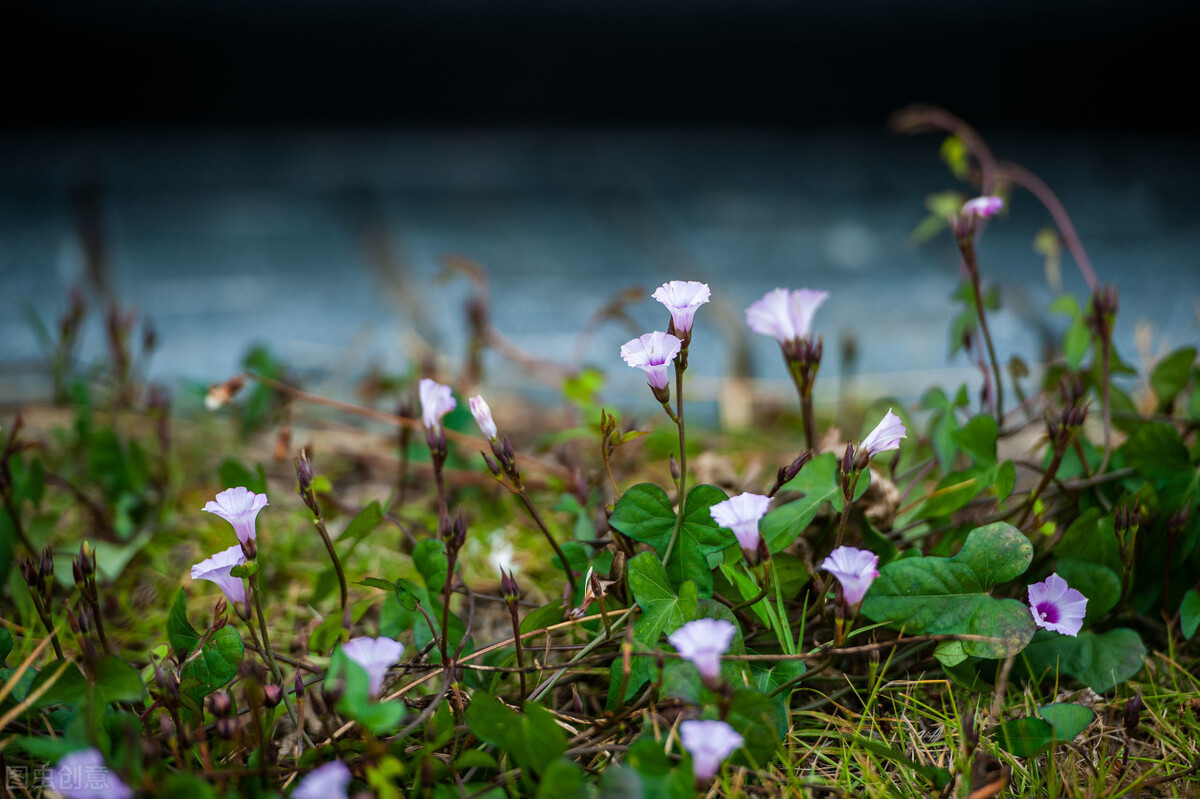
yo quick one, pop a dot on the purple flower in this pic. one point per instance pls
(682, 298)
(785, 315)
(709, 743)
(855, 569)
(702, 642)
(1057, 607)
(330, 781)
(216, 570)
(982, 207)
(83, 775)
(741, 514)
(886, 435)
(436, 401)
(652, 353)
(483, 416)
(375, 655)
(238, 506)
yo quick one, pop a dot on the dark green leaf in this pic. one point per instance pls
(6, 644)
(429, 556)
(533, 738)
(951, 595)
(234, 474)
(753, 715)
(361, 525)
(819, 483)
(1067, 719)
(180, 632)
(1189, 613)
(1098, 583)
(1026, 737)
(542, 617)
(978, 439)
(562, 779)
(1099, 661)
(187, 786)
(117, 681)
(644, 513)
(1170, 375)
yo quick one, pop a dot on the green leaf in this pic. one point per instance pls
(429, 556)
(234, 474)
(1189, 613)
(1099, 584)
(978, 438)
(663, 612)
(117, 681)
(819, 483)
(216, 665)
(6, 644)
(533, 738)
(1170, 375)
(1090, 539)
(1076, 341)
(1067, 719)
(562, 779)
(180, 632)
(1026, 737)
(753, 715)
(644, 513)
(542, 617)
(187, 786)
(1099, 661)
(950, 596)
(1156, 451)
(955, 490)
(367, 520)
(650, 773)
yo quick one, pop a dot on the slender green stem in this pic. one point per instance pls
(966, 246)
(682, 459)
(267, 649)
(537, 518)
(337, 563)
(847, 502)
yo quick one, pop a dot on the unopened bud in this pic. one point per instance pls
(298, 686)
(459, 534)
(508, 587)
(272, 695)
(29, 571)
(77, 572)
(1133, 712)
(1177, 522)
(87, 559)
(220, 704)
(674, 464)
(788, 473)
(46, 570)
(493, 467)
(227, 728)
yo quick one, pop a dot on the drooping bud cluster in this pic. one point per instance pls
(1102, 314)
(788, 473)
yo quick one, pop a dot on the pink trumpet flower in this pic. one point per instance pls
(483, 417)
(216, 570)
(375, 655)
(330, 781)
(982, 207)
(886, 436)
(709, 743)
(855, 569)
(238, 506)
(652, 353)
(436, 401)
(741, 514)
(1056, 606)
(785, 315)
(702, 642)
(83, 775)
(682, 298)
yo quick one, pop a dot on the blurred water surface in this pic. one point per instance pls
(329, 247)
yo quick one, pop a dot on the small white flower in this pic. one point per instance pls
(682, 298)
(330, 781)
(238, 506)
(702, 642)
(742, 514)
(1055, 606)
(886, 435)
(436, 401)
(375, 655)
(483, 417)
(855, 569)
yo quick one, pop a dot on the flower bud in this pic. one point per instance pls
(87, 559)
(674, 464)
(272, 695)
(46, 570)
(492, 466)
(227, 728)
(299, 686)
(220, 704)
(1133, 713)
